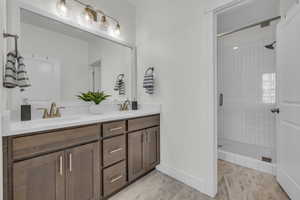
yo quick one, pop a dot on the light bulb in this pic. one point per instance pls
(104, 22)
(117, 30)
(62, 8)
(87, 15)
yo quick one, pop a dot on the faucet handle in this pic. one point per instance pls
(57, 112)
(46, 114)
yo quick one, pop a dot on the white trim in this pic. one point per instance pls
(185, 178)
(248, 162)
(222, 6)
(211, 25)
(290, 187)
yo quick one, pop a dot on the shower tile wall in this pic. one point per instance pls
(246, 74)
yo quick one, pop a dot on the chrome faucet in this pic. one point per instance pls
(54, 111)
(124, 106)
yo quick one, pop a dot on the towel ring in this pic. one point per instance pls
(16, 37)
(149, 69)
(120, 76)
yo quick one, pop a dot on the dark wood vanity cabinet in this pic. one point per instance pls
(73, 174)
(152, 152)
(39, 178)
(143, 146)
(143, 152)
(83, 173)
(83, 163)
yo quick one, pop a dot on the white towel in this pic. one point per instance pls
(15, 76)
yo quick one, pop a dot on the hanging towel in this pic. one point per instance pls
(120, 85)
(148, 83)
(10, 76)
(15, 76)
(22, 78)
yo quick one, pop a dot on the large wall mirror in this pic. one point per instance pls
(63, 61)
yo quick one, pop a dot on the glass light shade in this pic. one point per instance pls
(62, 8)
(104, 23)
(117, 30)
(87, 16)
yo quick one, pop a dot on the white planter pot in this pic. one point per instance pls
(96, 109)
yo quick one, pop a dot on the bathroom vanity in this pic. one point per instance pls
(86, 162)
(85, 154)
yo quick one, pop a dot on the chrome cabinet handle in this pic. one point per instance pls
(116, 150)
(116, 179)
(115, 129)
(61, 165)
(70, 162)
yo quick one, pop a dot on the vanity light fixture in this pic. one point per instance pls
(91, 14)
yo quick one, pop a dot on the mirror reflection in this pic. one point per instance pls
(63, 62)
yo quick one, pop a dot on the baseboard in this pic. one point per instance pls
(248, 162)
(185, 178)
(289, 185)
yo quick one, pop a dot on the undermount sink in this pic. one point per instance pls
(54, 120)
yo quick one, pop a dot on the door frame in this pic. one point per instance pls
(2, 104)
(211, 53)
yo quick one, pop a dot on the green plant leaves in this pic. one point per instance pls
(96, 97)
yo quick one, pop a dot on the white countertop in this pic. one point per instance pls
(18, 128)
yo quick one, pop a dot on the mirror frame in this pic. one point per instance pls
(15, 21)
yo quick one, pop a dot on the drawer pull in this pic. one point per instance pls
(115, 129)
(116, 179)
(61, 165)
(115, 151)
(70, 162)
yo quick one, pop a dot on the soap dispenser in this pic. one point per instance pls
(25, 111)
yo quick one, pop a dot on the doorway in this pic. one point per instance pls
(247, 94)
(247, 84)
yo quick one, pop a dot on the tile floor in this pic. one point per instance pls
(235, 183)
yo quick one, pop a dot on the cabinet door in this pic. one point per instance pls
(40, 178)
(83, 172)
(152, 148)
(136, 154)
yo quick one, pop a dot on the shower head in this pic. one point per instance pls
(271, 46)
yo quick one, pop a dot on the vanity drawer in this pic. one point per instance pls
(29, 146)
(114, 128)
(114, 178)
(144, 122)
(114, 150)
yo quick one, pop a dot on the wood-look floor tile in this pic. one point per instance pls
(234, 183)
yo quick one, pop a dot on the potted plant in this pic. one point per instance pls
(96, 98)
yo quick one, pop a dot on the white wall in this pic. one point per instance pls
(249, 13)
(70, 52)
(171, 37)
(285, 5)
